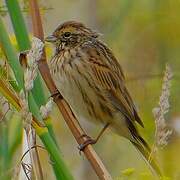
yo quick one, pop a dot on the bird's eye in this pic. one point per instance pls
(67, 34)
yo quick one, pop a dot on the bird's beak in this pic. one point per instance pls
(51, 39)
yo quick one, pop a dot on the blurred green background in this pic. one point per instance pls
(144, 35)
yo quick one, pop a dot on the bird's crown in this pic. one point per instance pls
(71, 32)
(73, 27)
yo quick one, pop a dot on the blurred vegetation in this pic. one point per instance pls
(144, 36)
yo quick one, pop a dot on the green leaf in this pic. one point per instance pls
(18, 24)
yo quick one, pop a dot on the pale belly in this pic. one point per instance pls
(75, 98)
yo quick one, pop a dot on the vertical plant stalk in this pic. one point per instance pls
(64, 108)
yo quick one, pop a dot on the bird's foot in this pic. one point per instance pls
(88, 141)
(56, 95)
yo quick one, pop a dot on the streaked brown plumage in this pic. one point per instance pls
(91, 80)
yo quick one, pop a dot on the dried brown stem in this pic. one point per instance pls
(64, 108)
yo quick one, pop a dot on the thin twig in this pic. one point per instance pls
(64, 108)
(32, 147)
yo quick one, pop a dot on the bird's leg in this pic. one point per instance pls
(56, 95)
(90, 140)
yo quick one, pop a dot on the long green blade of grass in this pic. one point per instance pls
(18, 24)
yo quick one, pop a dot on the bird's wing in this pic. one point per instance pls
(108, 76)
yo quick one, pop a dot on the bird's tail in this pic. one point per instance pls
(141, 145)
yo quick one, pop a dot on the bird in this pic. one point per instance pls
(91, 80)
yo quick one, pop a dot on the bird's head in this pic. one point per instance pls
(70, 34)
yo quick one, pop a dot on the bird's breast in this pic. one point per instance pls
(72, 77)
